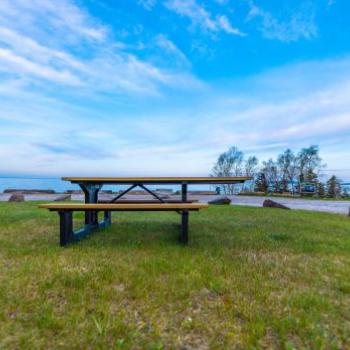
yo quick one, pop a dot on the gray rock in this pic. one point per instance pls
(268, 203)
(220, 201)
(16, 197)
(63, 197)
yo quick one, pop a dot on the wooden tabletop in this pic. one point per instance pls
(159, 180)
(118, 206)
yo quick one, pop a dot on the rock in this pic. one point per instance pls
(268, 203)
(63, 197)
(16, 197)
(221, 200)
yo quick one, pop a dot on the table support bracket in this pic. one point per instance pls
(120, 195)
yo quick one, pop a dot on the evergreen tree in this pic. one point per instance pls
(321, 190)
(333, 187)
(261, 183)
(345, 193)
(311, 177)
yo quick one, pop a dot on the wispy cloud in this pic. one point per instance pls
(147, 4)
(169, 47)
(63, 138)
(300, 25)
(50, 49)
(14, 63)
(72, 92)
(202, 18)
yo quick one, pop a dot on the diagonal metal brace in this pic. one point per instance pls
(132, 187)
(152, 193)
(123, 193)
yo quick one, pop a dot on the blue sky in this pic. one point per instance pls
(161, 87)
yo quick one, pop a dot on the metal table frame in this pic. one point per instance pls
(91, 187)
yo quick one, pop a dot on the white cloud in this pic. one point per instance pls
(202, 18)
(226, 26)
(147, 4)
(181, 139)
(47, 44)
(169, 47)
(300, 25)
(45, 132)
(46, 17)
(13, 63)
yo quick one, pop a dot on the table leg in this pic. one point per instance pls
(184, 227)
(66, 227)
(184, 192)
(91, 196)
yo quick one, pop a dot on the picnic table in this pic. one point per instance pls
(92, 185)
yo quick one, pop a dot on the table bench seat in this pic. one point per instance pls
(65, 211)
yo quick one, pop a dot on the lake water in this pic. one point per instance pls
(58, 185)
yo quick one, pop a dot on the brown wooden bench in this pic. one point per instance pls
(65, 211)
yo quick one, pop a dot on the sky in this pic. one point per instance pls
(162, 87)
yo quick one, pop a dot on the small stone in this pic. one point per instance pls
(63, 197)
(119, 287)
(220, 201)
(268, 203)
(16, 197)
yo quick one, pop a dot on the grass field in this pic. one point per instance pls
(251, 278)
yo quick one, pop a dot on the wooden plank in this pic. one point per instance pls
(159, 180)
(116, 207)
(145, 201)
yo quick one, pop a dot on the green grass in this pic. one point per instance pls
(250, 278)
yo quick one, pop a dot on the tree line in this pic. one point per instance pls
(295, 173)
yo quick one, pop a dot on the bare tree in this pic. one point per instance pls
(270, 170)
(288, 169)
(309, 162)
(229, 164)
(251, 169)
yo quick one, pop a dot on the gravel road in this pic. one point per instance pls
(341, 207)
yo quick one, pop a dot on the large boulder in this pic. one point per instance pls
(16, 197)
(220, 201)
(268, 203)
(63, 197)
